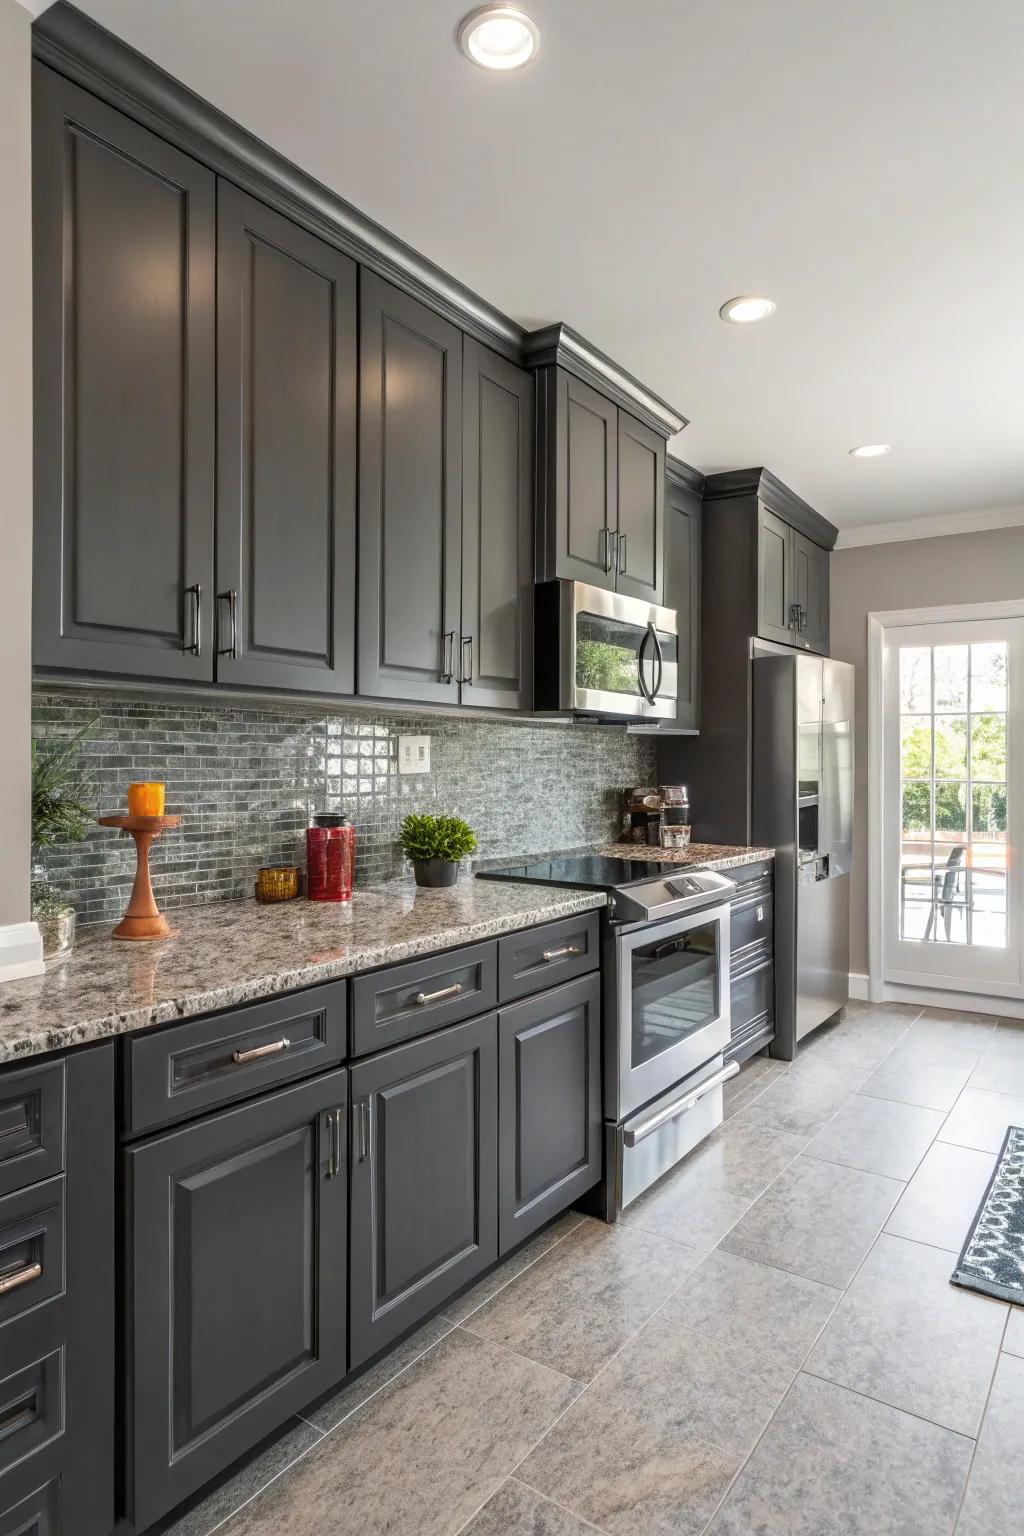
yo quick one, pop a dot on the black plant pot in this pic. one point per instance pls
(435, 871)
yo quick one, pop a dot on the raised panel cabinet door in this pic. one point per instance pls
(810, 594)
(124, 261)
(775, 599)
(410, 497)
(683, 527)
(640, 532)
(237, 1261)
(424, 1211)
(549, 1054)
(496, 643)
(587, 451)
(286, 452)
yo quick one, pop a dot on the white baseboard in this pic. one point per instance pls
(938, 997)
(858, 987)
(21, 951)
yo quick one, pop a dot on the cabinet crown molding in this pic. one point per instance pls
(560, 346)
(778, 498)
(679, 473)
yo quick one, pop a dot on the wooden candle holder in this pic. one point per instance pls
(143, 918)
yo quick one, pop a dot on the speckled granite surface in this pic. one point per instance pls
(232, 952)
(696, 856)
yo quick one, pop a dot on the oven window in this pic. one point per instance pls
(606, 653)
(674, 990)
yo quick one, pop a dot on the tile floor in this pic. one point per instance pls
(767, 1343)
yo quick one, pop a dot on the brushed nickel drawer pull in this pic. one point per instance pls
(436, 997)
(561, 954)
(19, 1277)
(271, 1049)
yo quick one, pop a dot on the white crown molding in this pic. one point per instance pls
(930, 527)
(21, 951)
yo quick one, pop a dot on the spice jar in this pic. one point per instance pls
(330, 858)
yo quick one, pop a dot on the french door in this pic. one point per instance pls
(953, 737)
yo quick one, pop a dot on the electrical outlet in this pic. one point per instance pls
(414, 754)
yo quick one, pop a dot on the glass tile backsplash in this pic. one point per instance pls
(247, 780)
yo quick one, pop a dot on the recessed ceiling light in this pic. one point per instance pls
(870, 450)
(499, 37)
(747, 308)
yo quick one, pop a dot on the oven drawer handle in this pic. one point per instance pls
(561, 954)
(679, 1106)
(256, 1052)
(422, 998)
(19, 1277)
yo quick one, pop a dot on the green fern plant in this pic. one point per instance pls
(426, 837)
(60, 813)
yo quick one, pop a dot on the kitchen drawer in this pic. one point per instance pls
(31, 1248)
(751, 928)
(752, 1001)
(32, 1386)
(36, 1514)
(543, 957)
(743, 875)
(190, 1068)
(31, 1125)
(409, 1000)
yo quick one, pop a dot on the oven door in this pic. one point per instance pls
(671, 1002)
(622, 655)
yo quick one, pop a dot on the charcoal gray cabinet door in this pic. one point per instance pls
(236, 1274)
(549, 1065)
(424, 1217)
(640, 531)
(683, 526)
(124, 261)
(586, 478)
(410, 497)
(775, 598)
(496, 645)
(286, 452)
(810, 594)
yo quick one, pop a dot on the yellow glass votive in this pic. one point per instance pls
(146, 799)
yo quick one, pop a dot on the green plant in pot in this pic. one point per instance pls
(436, 844)
(59, 815)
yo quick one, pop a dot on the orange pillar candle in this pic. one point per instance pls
(146, 799)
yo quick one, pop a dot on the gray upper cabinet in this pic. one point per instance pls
(496, 641)
(810, 594)
(639, 542)
(286, 452)
(775, 579)
(410, 498)
(124, 266)
(683, 523)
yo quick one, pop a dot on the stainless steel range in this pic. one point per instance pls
(665, 969)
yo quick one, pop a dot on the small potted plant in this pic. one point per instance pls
(59, 815)
(435, 844)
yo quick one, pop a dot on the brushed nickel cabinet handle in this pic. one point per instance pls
(12, 1281)
(760, 914)
(620, 553)
(332, 1144)
(422, 998)
(466, 647)
(561, 954)
(258, 1051)
(195, 591)
(448, 657)
(231, 598)
(364, 1130)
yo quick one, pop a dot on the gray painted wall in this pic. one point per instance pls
(15, 457)
(246, 780)
(920, 573)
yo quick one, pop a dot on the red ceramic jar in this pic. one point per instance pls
(330, 858)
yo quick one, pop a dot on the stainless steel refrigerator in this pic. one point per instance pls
(802, 804)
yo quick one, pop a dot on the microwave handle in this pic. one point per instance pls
(640, 664)
(659, 656)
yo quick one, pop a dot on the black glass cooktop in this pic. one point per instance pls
(582, 869)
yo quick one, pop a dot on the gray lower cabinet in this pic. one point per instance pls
(35, 1513)
(549, 1114)
(424, 1217)
(683, 524)
(286, 452)
(410, 497)
(236, 1229)
(124, 264)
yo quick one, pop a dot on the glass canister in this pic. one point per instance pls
(330, 858)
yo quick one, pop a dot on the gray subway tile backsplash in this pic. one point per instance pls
(247, 780)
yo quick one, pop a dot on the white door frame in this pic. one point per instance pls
(878, 626)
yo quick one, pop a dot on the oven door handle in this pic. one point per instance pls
(678, 1106)
(648, 632)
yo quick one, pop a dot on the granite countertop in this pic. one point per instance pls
(234, 952)
(697, 856)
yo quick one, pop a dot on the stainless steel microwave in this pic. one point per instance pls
(599, 653)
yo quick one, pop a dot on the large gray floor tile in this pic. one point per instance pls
(994, 1501)
(423, 1455)
(1001, 1069)
(326, 1414)
(574, 1308)
(754, 1079)
(806, 1097)
(246, 1482)
(943, 1196)
(1013, 1339)
(877, 1136)
(949, 1038)
(861, 1040)
(833, 1463)
(980, 1119)
(463, 1306)
(700, 1200)
(818, 1220)
(767, 1310)
(904, 1335)
(516, 1510)
(651, 1445)
(909, 1078)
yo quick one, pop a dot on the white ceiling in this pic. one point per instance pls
(861, 164)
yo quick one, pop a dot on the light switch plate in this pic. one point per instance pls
(414, 754)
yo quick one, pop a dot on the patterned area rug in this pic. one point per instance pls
(992, 1259)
